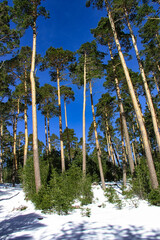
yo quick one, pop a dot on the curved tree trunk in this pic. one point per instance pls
(147, 91)
(125, 129)
(60, 123)
(34, 115)
(25, 122)
(96, 139)
(153, 176)
(84, 110)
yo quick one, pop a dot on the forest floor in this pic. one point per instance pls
(132, 219)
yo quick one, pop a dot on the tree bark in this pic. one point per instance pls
(68, 142)
(96, 139)
(25, 121)
(34, 115)
(109, 142)
(1, 152)
(60, 122)
(84, 121)
(123, 154)
(147, 91)
(49, 138)
(155, 80)
(124, 122)
(46, 137)
(153, 176)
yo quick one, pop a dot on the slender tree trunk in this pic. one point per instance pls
(116, 154)
(109, 141)
(60, 123)
(155, 80)
(84, 121)
(46, 137)
(34, 115)
(1, 152)
(134, 153)
(123, 154)
(15, 136)
(107, 138)
(68, 142)
(49, 138)
(96, 139)
(136, 145)
(153, 176)
(15, 165)
(125, 129)
(25, 122)
(147, 91)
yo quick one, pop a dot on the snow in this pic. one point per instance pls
(100, 220)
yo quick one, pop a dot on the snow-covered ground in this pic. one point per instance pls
(19, 219)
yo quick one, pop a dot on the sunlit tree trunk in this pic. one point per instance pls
(15, 165)
(84, 123)
(155, 80)
(34, 115)
(25, 121)
(147, 91)
(96, 139)
(109, 141)
(125, 129)
(1, 152)
(60, 122)
(49, 138)
(68, 142)
(116, 154)
(123, 154)
(153, 176)
(46, 137)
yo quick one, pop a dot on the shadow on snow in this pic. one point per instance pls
(85, 231)
(20, 223)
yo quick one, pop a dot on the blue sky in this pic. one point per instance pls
(68, 27)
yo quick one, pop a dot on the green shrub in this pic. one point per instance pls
(154, 197)
(62, 190)
(141, 180)
(113, 197)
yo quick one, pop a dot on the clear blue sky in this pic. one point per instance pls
(68, 27)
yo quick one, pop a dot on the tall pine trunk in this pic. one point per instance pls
(125, 129)
(34, 115)
(15, 165)
(152, 172)
(1, 152)
(68, 142)
(111, 152)
(25, 121)
(46, 137)
(96, 139)
(147, 90)
(123, 154)
(49, 138)
(84, 120)
(60, 122)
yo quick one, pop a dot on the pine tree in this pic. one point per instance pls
(58, 60)
(153, 176)
(67, 94)
(25, 15)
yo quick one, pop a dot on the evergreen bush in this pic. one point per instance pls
(59, 192)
